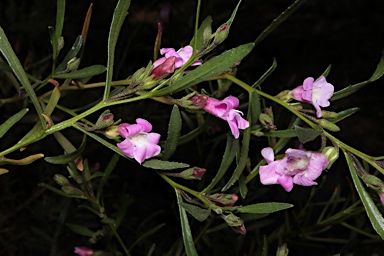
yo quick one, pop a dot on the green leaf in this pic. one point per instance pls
(289, 133)
(146, 235)
(60, 14)
(185, 228)
(343, 114)
(174, 129)
(354, 88)
(198, 213)
(53, 100)
(163, 165)
(326, 71)
(229, 155)
(243, 187)
(12, 121)
(200, 39)
(80, 229)
(266, 74)
(307, 134)
(255, 107)
(82, 73)
(373, 213)
(14, 63)
(70, 55)
(262, 208)
(214, 66)
(66, 158)
(121, 11)
(59, 192)
(5, 66)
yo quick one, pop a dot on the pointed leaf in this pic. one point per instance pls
(80, 229)
(214, 66)
(343, 114)
(200, 39)
(243, 187)
(255, 107)
(163, 165)
(174, 129)
(121, 11)
(59, 192)
(60, 13)
(53, 100)
(186, 229)
(66, 158)
(14, 63)
(11, 121)
(289, 133)
(229, 155)
(24, 161)
(82, 73)
(307, 134)
(198, 213)
(262, 208)
(3, 171)
(373, 213)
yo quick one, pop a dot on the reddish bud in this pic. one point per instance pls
(199, 100)
(165, 68)
(223, 200)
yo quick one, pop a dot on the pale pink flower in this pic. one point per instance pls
(139, 142)
(297, 167)
(316, 93)
(226, 110)
(83, 251)
(182, 56)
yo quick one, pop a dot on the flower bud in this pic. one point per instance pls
(282, 250)
(373, 182)
(232, 220)
(207, 33)
(284, 96)
(221, 34)
(83, 251)
(223, 200)
(267, 121)
(70, 190)
(332, 155)
(61, 180)
(112, 132)
(194, 173)
(199, 100)
(240, 229)
(329, 114)
(104, 120)
(73, 64)
(167, 67)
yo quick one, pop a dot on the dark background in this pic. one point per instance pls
(348, 34)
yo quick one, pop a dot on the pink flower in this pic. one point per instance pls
(297, 167)
(316, 93)
(83, 251)
(226, 110)
(139, 143)
(182, 56)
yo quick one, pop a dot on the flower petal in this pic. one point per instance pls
(286, 182)
(268, 154)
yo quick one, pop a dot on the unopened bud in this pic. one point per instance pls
(73, 64)
(232, 220)
(332, 155)
(373, 182)
(267, 121)
(221, 34)
(104, 120)
(240, 229)
(112, 132)
(282, 250)
(61, 180)
(328, 125)
(83, 251)
(223, 200)
(194, 173)
(284, 96)
(199, 100)
(70, 190)
(207, 33)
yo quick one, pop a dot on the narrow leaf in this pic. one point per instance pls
(343, 114)
(307, 134)
(59, 192)
(199, 37)
(53, 100)
(289, 133)
(262, 208)
(121, 11)
(198, 213)
(255, 107)
(12, 121)
(66, 158)
(185, 228)
(174, 129)
(373, 213)
(80, 229)
(70, 55)
(24, 161)
(217, 65)
(243, 187)
(82, 73)
(60, 13)
(163, 165)
(14, 63)
(229, 155)
(3, 171)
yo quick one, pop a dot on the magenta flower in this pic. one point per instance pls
(226, 110)
(139, 142)
(316, 93)
(182, 56)
(297, 167)
(83, 251)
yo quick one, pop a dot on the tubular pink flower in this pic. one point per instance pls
(165, 68)
(297, 167)
(139, 143)
(225, 110)
(182, 56)
(83, 251)
(316, 93)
